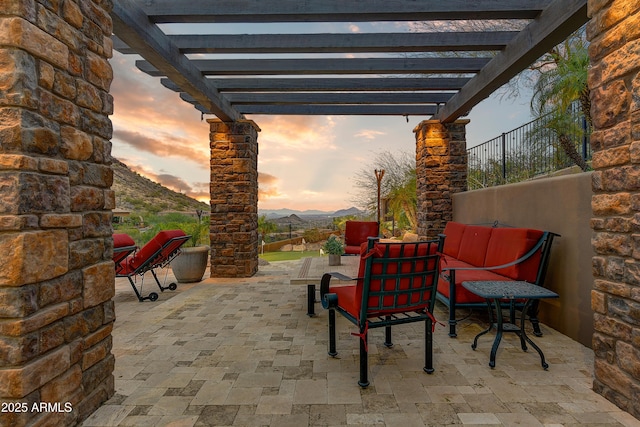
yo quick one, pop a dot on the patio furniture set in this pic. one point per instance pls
(466, 266)
(398, 282)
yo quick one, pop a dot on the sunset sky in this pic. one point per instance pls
(304, 162)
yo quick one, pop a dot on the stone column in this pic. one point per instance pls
(234, 198)
(441, 170)
(614, 80)
(56, 272)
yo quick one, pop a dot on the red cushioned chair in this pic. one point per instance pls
(157, 253)
(396, 284)
(356, 233)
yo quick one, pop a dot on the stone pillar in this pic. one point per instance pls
(441, 171)
(56, 272)
(234, 198)
(614, 80)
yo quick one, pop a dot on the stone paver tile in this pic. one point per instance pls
(508, 391)
(409, 390)
(141, 421)
(274, 405)
(243, 396)
(476, 418)
(217, 415)
(445, 394)
(163, 380)
(108, 415)
(145, 396)
(258, 379)
(290, 420)
(170, 405)
(366, 419)
(286, 360)
(327, 415)
(518, 419)
(212, 393)
(310, 392)
(177, 421)
(403, 420)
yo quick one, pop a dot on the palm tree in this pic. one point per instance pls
(402, 199)
(562, 81)
(265, 226)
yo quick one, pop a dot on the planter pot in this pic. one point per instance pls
(334, 259)
(191, 264)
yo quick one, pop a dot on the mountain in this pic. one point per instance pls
(279, 213)
(135, 192)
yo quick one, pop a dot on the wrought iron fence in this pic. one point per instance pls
(531, 150)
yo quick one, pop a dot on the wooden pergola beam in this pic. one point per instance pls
(350, 84)
(311, 66)
(553, 25)
(257, 11)
(133, 27)
(339, 98)
(336, 43)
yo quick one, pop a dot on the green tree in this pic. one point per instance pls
(265, 226)
(561, 82)
(398, 186)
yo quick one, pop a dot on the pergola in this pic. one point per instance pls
(401, 73)
(417, 63)
(57, 275)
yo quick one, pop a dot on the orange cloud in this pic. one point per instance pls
(162, 145)
(175, 183)
(267, 187)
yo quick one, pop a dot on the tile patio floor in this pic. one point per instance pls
(242, 352)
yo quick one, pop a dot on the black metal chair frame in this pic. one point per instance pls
(419, 272)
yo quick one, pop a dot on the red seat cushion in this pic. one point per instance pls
(462, 294)
(507, 245)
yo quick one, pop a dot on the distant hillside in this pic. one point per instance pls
(135, 192)
(279, 213)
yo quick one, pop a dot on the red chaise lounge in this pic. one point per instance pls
(158, 252)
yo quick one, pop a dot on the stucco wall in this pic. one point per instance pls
(561, 205)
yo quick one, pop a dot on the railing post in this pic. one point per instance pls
(585, 140)
(504, 157)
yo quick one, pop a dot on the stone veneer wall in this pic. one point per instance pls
(234, 198)
(56, 273)
(441, 170)
(614, 80)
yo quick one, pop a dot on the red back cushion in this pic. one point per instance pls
(507, 245)
(453, 231)
(391, 303)
(154, 245)
(121, 240)
(356, 232)
(473, 246)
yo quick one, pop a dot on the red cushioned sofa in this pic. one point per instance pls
(356, 233)
(478, 253)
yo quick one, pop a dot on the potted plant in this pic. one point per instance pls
(192, 262)
(335, 248)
